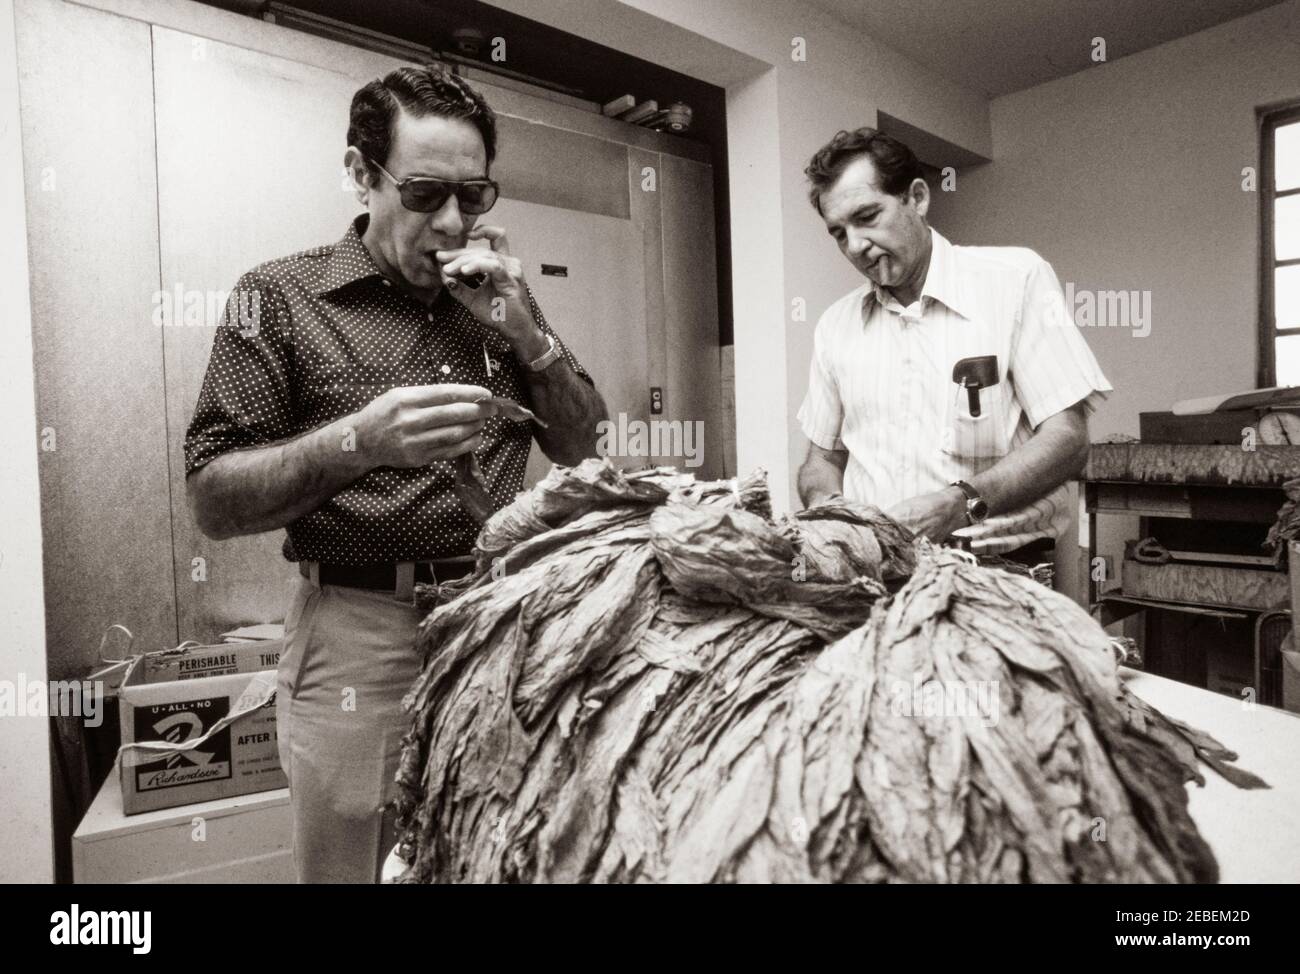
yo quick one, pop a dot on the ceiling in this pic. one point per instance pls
(1000, 46)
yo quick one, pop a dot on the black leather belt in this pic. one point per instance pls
(383, 577)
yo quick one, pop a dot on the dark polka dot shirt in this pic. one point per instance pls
(310, 338)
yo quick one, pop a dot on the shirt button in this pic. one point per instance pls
(387, 282)
(446, 369)
(430, 316)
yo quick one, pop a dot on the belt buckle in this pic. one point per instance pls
(405, 589)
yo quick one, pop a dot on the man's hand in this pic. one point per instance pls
(505, 280)
(412, 426)
(835, 497)
(936, 514)
(567, 403)
(821, 478)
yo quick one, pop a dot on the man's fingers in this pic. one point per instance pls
(443, 394)
(456, 414)
(473, 263)
(448, 451)
(495, 236)
(448, 437)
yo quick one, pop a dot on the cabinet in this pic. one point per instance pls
(1213, 504)
(246, 839)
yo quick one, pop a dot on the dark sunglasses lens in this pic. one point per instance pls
(476, 198)
(430, 195)
(425, 196)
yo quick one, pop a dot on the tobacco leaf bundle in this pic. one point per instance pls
(1287, 525)
(651, 679)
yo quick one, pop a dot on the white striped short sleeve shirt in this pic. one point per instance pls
(881, 387)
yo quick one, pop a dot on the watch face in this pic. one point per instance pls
(978, 509)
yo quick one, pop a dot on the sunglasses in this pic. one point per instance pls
(424, 194)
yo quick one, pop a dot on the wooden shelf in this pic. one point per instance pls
(1256, 505)
(1114, 605)
(1225, 586)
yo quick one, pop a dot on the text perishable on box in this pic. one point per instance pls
(198, 723)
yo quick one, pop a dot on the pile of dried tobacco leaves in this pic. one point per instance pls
(650, 679)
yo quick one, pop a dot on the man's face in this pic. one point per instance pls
(429, 145)
(883, 236)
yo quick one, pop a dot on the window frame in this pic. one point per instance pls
(1270, 120)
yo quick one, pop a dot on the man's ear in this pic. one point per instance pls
(362, 178)
(920, 193)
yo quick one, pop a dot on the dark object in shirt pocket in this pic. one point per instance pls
(973, 374)
(976, 425)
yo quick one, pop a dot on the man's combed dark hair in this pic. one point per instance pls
(896, 165)
(428, 90)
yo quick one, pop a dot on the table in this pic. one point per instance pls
(245, 839)
(1255, 835)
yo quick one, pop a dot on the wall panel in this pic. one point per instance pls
(693, 386)
(88, 151)
(644, 166)
(250, 167)
(553, 167)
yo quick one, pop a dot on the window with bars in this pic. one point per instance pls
(1279, 307)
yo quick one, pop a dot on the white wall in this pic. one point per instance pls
(1128, 176)
(779, 112)
(845, 80)
(24, 741)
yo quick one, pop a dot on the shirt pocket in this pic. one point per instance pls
(976, 437)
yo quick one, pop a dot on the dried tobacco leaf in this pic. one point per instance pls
(511, 410)
(1286, 527)
(472, 489)
(651, 680)
(471, 486)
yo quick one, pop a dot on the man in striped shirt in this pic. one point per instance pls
(951, 388)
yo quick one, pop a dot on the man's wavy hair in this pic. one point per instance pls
(896, 165)
(427, 90)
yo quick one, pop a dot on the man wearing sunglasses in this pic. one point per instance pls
(336, 413)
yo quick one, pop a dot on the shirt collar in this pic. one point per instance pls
(941, 279)
(350, 260)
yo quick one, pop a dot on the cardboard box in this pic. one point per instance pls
(1223, 428)
(205, 716)
(199, 661)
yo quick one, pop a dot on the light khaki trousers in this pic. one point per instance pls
(349, 658)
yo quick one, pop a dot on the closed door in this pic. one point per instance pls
(250, 167)
(593, 296)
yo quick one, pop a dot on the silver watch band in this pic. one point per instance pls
(546, 358)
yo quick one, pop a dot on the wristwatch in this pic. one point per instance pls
(977, 509)
(546, 358)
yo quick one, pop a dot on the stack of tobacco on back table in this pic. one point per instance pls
(650, 679)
